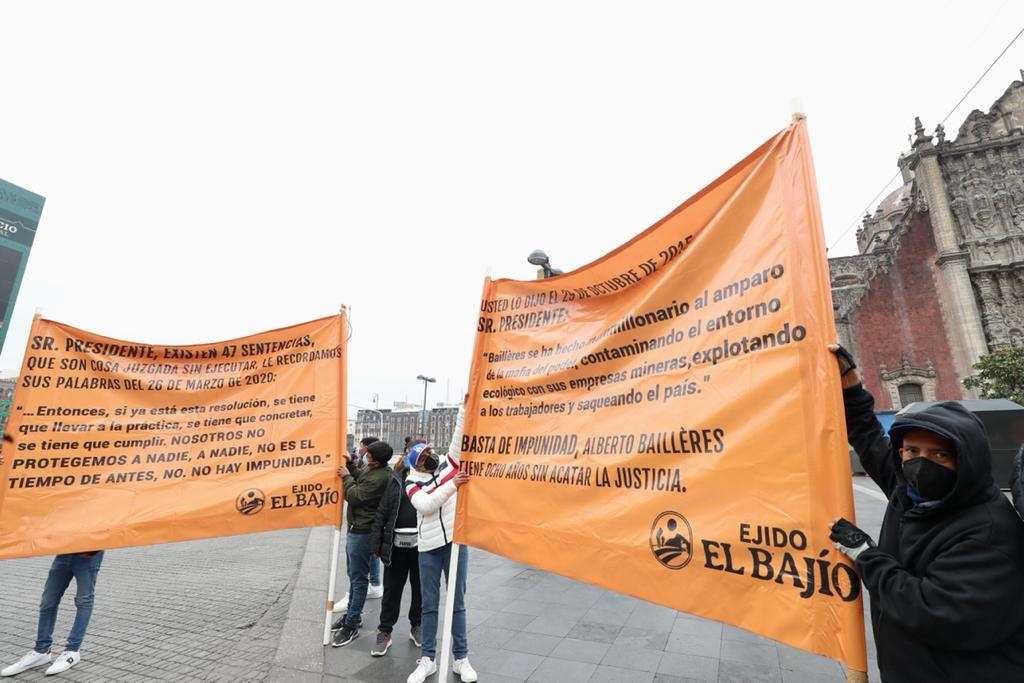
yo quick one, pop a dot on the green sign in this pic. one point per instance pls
(19, 217)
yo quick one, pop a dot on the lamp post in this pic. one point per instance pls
(538, 258)
(426, 381)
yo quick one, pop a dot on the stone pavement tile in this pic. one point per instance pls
(476, 616)
(814, 677)
(765, 656)
(629, 657)
(550, 625)
(509, 620)
(689, 666)
(599, 633)
(642, 638)
(518, 665)
(652, 617)
(488, 637)
(386, 668)
(794, 659)
(707, 644)
(538, 608)
(581, 650)
(686, 623)
(309, 605)
(611, 674)
(743, 672)
(534, 643)
(280, 674)
(299, 649)
(553, 670)
(606, 615)
(665, 678)
(533, 607)
(734, 633)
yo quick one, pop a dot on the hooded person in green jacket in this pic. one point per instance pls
(364, 487)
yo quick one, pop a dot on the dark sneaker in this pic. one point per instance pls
(383, 643)
(336, 626)
(416, 635)
(345, 636)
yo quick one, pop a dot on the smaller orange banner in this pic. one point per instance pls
(113, 443)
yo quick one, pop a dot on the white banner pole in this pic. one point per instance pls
(449, 610)
(330, 583)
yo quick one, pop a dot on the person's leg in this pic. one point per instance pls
(416, 603)
(430, 589)
(394, 584)
(57, 581)
(374, 571)
(460, 646)
(357, 551)
(85, 570)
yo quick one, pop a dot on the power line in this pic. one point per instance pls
(961, 101)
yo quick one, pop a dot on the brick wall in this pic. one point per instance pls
(901, 313)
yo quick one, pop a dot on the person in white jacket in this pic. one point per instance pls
(431, 485)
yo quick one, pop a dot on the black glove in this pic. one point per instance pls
(845, 360)
(849, 539)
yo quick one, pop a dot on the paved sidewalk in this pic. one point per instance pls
(529, 625)
(208, 610)
(250, 608)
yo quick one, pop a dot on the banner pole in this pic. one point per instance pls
(449, 610)
(342, 431)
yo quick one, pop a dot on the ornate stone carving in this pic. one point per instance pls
(907, 373)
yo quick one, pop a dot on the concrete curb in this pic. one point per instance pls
(300, 653)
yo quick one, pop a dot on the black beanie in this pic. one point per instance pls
(380, 451)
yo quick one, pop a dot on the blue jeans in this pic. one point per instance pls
(84, 570)
(374, 571)
(432, 563)
(357, 557)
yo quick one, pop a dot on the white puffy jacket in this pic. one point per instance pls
(433, 495)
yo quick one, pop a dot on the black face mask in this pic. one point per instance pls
(929, 479)
(430, 462)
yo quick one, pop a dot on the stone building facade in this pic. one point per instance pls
(939, 280)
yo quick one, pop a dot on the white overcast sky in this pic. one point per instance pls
(215, 169)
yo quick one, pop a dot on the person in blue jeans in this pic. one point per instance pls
(364, 487)
(431, 485)
(83, 567)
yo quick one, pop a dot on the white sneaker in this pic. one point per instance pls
(342, 605)
(425, 666)
(374, 592)
(65, 660)
(29, 661)
(465, 670)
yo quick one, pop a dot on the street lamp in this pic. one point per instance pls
(538, 258)
(426, 381)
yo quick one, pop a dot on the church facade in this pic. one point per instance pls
(939, 280)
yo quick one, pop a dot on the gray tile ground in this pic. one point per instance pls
(251, 608)
(198, 611)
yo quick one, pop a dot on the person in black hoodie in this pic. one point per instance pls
(393, 539)
(946, 578)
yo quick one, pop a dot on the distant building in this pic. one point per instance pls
(393, 425)
(939, 280)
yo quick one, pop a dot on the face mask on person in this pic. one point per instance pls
(931, 480)
(430, 462)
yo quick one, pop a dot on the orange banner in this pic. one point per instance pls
(113, 443)
(667, 422)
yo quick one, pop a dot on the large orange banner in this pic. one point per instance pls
(667, 422)
(113, 443)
